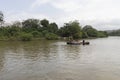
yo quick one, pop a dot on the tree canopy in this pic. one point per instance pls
(71, 29)
(31, 29)
(1, 17)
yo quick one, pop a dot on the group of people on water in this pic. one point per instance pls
(78, 42)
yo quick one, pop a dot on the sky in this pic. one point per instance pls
(101, 14)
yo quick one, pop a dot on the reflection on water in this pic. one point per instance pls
(54, 60)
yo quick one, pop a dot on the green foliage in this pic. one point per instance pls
(71, 29)
(51, 36)
(45, 32)
(1, 17)
(114, 33)
(34, 28)
(84, 35)
(77, 35)
(53, 28)
(102, 34)
(85, 28)
(5, 31)
(25, 37)
(44, 23)
(36, 34)
(17, 24)
(14, 31)
(30, 25)
(90, 31)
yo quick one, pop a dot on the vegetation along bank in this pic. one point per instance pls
(35, 29)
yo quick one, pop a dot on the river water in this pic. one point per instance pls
(55, 60)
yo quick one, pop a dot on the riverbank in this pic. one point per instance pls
(32, 29)
(38, 39)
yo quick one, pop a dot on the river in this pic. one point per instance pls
(55, 60)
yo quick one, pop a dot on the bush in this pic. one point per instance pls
(51, 36)
(77, 35)
(92, 33)
(84, 35)
(26, 36)
(36, 34)
(102, 34)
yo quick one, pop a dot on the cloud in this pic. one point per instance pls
(67, 5)
(19, 16)
(37, 3)
(64, 5)
(102, 14)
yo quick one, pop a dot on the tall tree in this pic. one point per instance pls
(30, 25)
(44, 23)
(90, 31)
(17, 23)
(53, 28)
(1, 18)
(71, 29)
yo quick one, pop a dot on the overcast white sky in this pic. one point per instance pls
(101, 14)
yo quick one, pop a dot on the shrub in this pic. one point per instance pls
(26, 36)
(77, 35)
(36, 34)
(84, 35)
(51, 36)
(102, 34)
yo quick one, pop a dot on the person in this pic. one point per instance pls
(83, 42)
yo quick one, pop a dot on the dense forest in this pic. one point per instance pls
(35, 29)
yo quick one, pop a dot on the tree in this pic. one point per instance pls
(17, 23)
(71, 29)
(36, 34)
(84, 34)
(53, 28)
(1, 18)
(25, 37)
(30, 25)
(85, 28)
(14, 31)
(90, 31)
(114, 32)
(44, 23)
(51, 36)
(102, 34)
